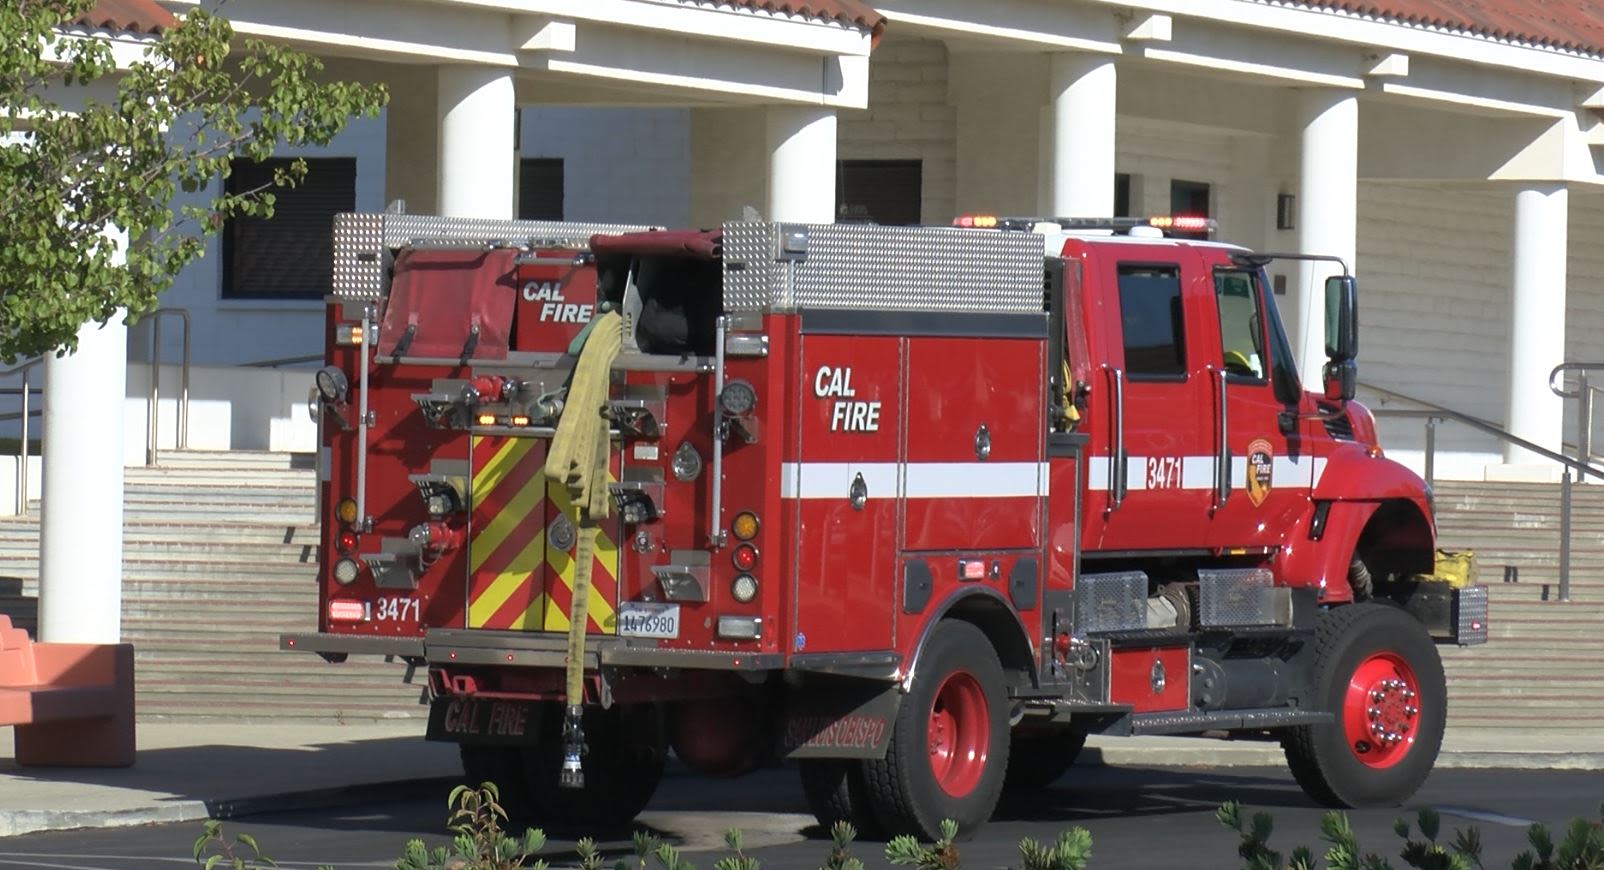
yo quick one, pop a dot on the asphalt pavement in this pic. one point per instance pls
(225, 768)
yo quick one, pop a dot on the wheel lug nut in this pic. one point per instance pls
(1375, 712)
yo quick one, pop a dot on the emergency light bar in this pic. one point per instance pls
(1167, 223)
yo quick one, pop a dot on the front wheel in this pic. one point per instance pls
(1380, 676)
(949, 744)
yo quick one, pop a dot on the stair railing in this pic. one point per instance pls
(25, 415)
(151, 417)
(1433, 414)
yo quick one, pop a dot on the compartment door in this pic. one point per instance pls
(850, 410)
(521, 544)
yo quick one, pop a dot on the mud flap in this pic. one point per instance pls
(838, 717)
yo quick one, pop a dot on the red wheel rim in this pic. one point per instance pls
(959, 733)
(1381, 710)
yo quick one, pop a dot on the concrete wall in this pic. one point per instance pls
(619, 165)
(909, 118)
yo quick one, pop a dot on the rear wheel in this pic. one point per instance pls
(835, 791)
(1381, 677)
(627, 746)
(1037, 759)
(949, 744)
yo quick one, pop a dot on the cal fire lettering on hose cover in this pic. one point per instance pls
(847, 414)
(554, 307)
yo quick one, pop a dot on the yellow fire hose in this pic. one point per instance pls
(578, 460)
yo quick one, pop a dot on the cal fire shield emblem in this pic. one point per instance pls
(1260, 471)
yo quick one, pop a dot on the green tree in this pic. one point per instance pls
(85, 147)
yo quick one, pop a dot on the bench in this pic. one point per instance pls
(72, 703)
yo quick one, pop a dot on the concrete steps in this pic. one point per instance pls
(1541, 668)
(219, 559)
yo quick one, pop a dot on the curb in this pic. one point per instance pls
(167, 812)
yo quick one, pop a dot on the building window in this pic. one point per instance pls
(1122, 195)
(291, 255)
(1189, 199)
(1150, 320)
(879, 191)
(540, 189)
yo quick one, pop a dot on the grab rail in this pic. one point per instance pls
(22, 443)
(1433, 414)
(151, 417)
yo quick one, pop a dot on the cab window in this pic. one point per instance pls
(1150, 319)
(1241, 325)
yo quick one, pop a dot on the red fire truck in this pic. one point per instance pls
(916, 508)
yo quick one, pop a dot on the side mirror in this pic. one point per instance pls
(1342, 318)
(1341, 380)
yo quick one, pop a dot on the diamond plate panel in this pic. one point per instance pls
(751, 275)
(866, 267)
(361, 240)
(1111, 602)
(358, 256)
(1470, 614)
(1236, 596)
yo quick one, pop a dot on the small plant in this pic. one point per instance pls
(942, 855)
(646, 846)
(1428, 854)
(1582, 848)
(213, 848)
(841, 836)
(590, 857)
(1254, 848)
(740, 860)
(480, 843)
(669, 859)
(1073, 851)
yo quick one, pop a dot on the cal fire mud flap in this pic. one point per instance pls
(838, 717)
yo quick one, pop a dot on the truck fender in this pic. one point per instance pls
(1351, 474)
(1323, 564)
(988, 610)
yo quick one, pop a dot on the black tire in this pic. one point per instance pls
(1037, 759)
(1344, 764)
(627, 751)
(504, 766)
(835, 792)
(958, 667)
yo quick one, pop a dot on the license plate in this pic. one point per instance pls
(639, 619)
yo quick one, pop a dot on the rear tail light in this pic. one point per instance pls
(744, 557)
(346, 610)
(745, 526)
(345, 571)
(345, 541)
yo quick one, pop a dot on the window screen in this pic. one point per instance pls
(1150, 316)
(291, 255)
(540, 189)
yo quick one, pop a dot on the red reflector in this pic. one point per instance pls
(346, 610)
(744, 557)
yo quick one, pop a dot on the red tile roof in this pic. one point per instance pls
(1574, 25)
(854, 12)
(137, 16)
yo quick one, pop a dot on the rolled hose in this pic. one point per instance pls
(578, 460)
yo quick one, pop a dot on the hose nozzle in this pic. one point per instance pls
(573, 772)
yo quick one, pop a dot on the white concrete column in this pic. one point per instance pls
(801, 142)
(1080, 136)
(81, 506)
(1328, 214)
(476, 142)
(1537, 318)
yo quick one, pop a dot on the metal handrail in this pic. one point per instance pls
(1584, 392)
(22, 443)
(151, 416)
(1433, 414)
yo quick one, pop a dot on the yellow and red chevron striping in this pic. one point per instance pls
(517, 581)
